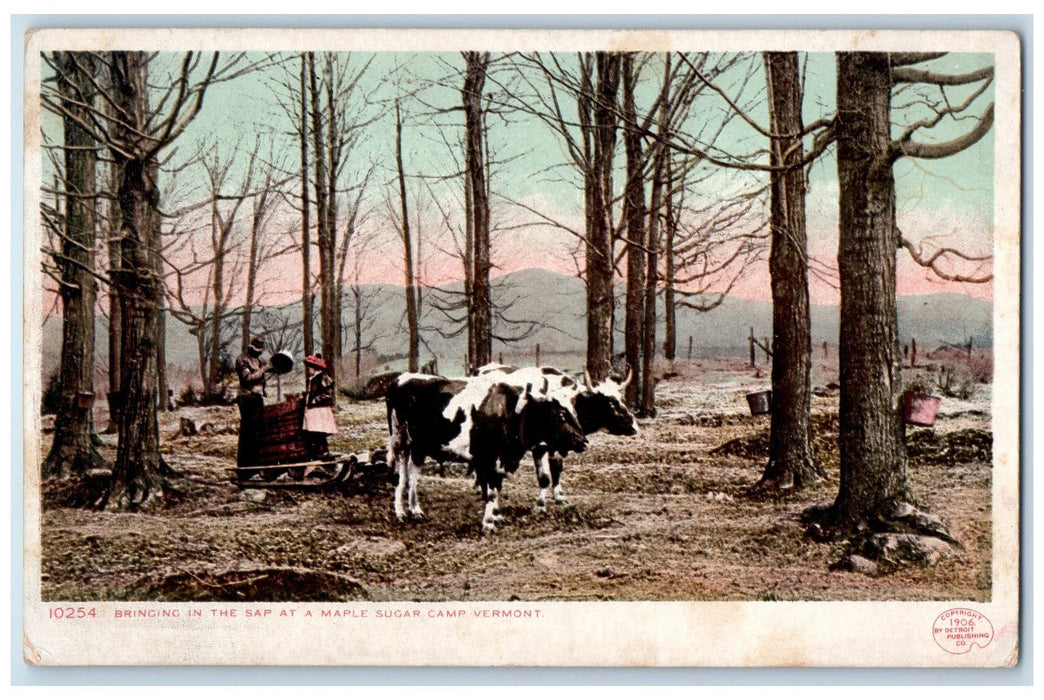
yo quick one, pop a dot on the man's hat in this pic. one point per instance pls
(257, 343)
(315, 361)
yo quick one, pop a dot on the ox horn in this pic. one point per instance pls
(587, 379)
(628, 378)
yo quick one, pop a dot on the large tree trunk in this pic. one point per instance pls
(72, 452)
(791, 464)
(873, 456)
(137, 480)
(481, 301)
(306, 265)
(634, 219)
(407, 252)
(599, 188)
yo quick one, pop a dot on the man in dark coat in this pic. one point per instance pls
(251, 372)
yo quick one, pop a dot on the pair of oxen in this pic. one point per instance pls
(491, 421)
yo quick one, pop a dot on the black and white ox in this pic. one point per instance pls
(487, 423)
(596, 406)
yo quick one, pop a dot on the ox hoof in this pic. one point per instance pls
(561, 500)
(489, 528)
(418, 515)
(540, 509)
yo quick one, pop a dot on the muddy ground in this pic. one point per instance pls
(666, 515)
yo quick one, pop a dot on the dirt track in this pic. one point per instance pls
(654, 517)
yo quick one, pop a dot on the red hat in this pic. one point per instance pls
(315, 361)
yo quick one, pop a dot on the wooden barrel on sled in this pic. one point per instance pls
(281, 439)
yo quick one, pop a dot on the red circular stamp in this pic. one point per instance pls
(959, 630)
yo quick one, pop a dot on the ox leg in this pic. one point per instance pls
(556, 466)
(397, 456)
(493, 480)
(413, 469)
(541, 459)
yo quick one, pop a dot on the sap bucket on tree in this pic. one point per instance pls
(920, 409)
(760, 402)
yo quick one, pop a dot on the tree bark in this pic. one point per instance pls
(72, 452)
(634, 219)
(137, 480)
(873, 455)
(601, 104)
(471, 94)
(791, 464)
(407, 252)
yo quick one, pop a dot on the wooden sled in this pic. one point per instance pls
(286, 461)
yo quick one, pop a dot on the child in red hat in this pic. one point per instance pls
(319, 420)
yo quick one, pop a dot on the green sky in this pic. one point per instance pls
(949, 200)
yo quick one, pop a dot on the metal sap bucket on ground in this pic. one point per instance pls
(920, 409)
(760, 402)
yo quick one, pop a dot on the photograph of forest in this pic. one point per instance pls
(496, 325)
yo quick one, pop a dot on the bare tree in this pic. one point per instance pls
(791, 464)
(407, 251)
(590, 141)
(480, 346)
(264, 197)
(874, 494)
(335, 130)
(135, 132)
(224, 210)
(72, 452)
(633, 219)
(306, 264)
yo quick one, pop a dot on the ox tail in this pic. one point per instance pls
(394, 437)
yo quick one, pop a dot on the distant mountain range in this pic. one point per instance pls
(550, 306)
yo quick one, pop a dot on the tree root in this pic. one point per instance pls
(900, 535)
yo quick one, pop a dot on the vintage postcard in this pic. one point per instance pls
(528, 348)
